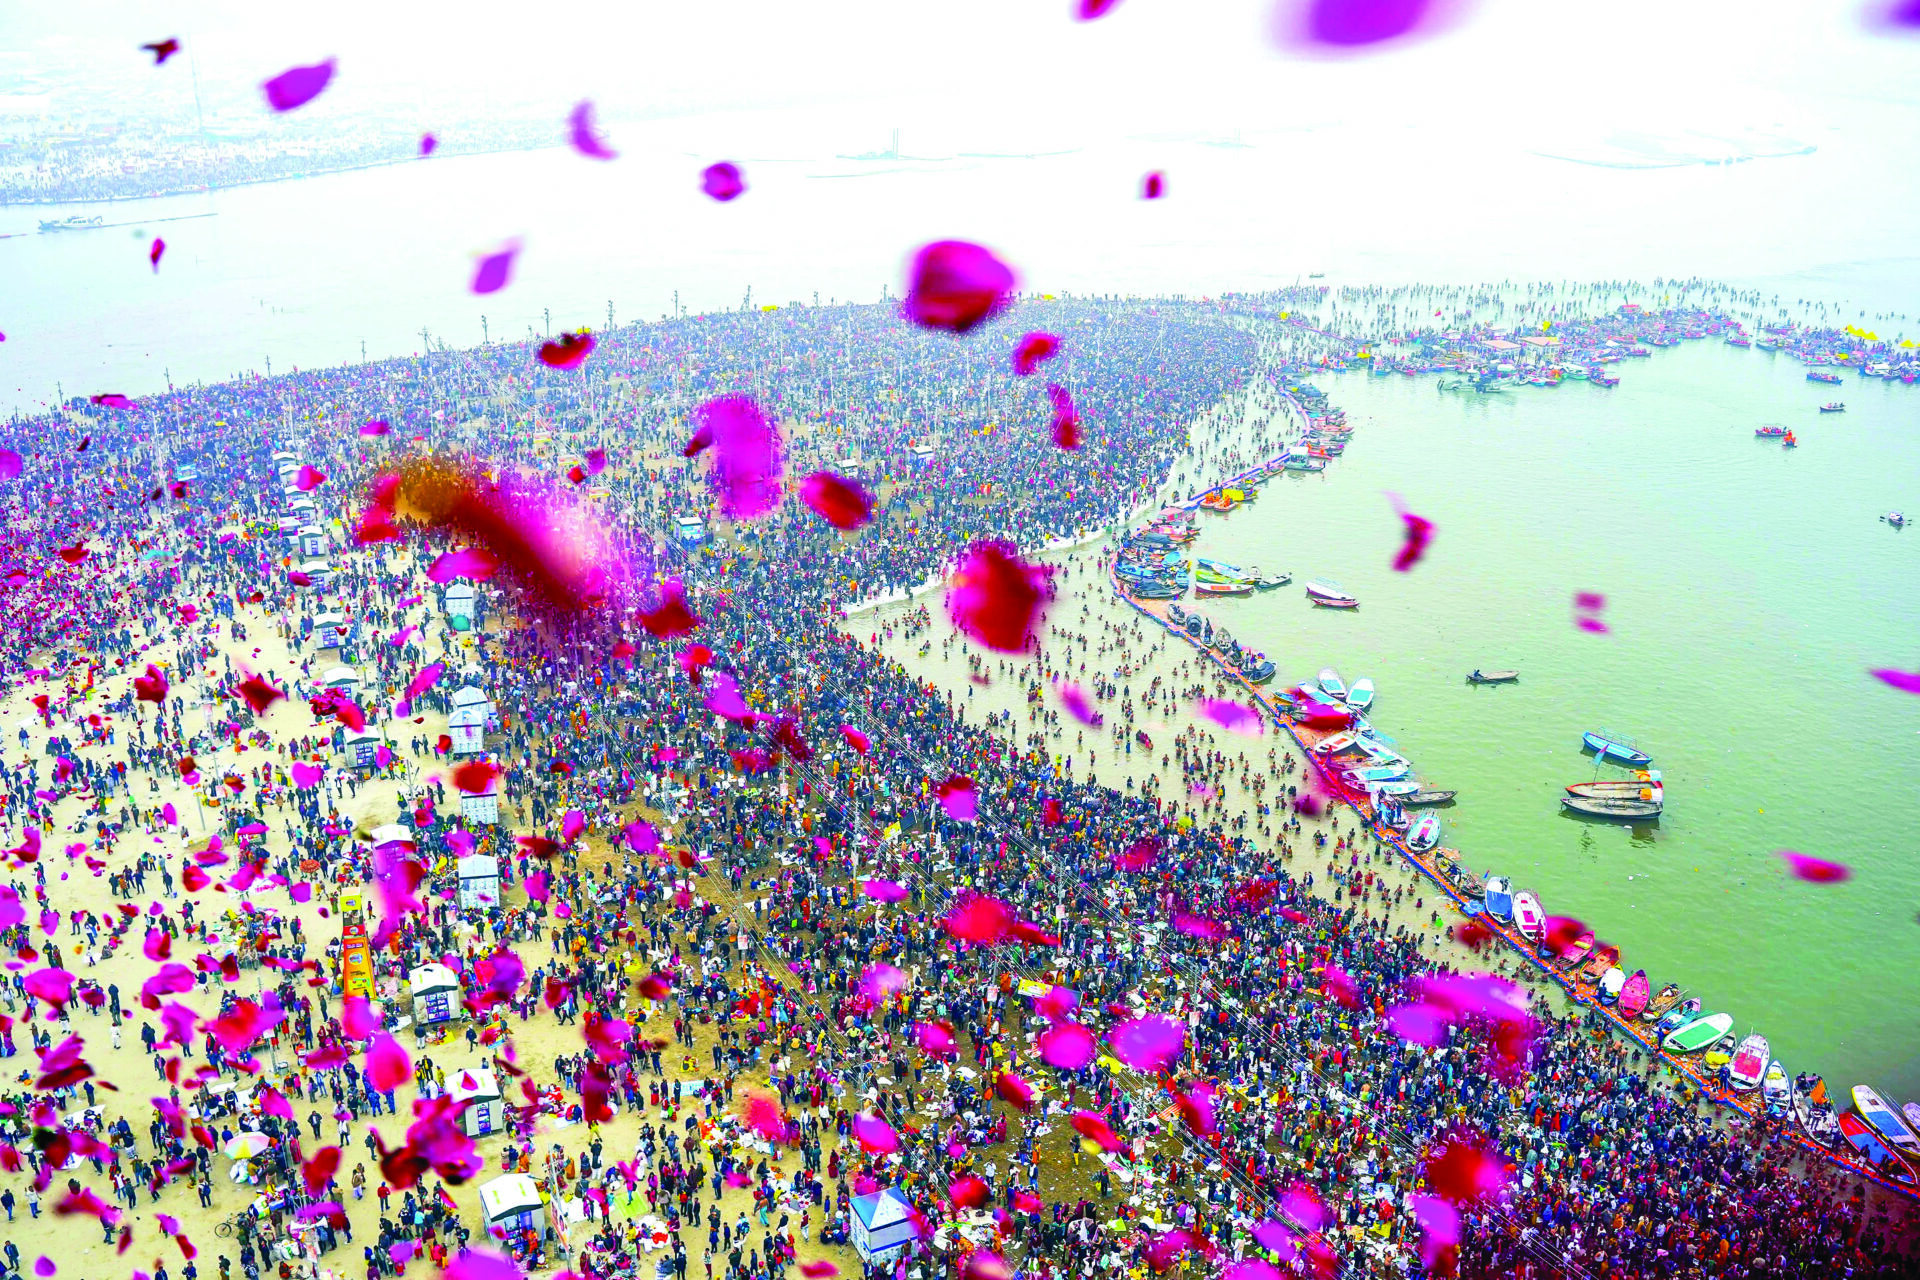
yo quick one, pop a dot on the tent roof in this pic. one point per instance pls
(882, 1208)
(508, 1194)
(433, 977)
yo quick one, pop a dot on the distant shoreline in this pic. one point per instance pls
(208, 188)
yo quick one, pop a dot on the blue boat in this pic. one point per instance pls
(1611, 746)
(1499, 898)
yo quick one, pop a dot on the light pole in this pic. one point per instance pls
(483, 330)
(547, 315)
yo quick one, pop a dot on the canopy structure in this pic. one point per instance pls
(883, 1224)
(479, 1088)
(345, 678)
(479, 881)
(436, 994)
(511, 1201)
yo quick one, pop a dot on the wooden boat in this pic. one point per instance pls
(1831, 379)
(1335, 745)
(1612, 807)
(1477, 676)
(1386, 771)
(1604, 958)
(1749, 1065)
(1677, 1017)
(1360, 696)
(1720, 1052)
(1223, 588)
(1473, 886)
(1833, 406)
(1776, 1090)
(1643, 786)
(1912, 1112)
(1570, 958)
(1324, 591)
(1220, 568)
(1613, 747)
(1886, 1122)
(1499, 893)
(1427, 799)
(1770, 432)
(1426, 834)
(1528, 917)
(1611, 984)
(1633, 996)
(1814, 1110)
(1861, 1137)
(1331, 682)
(1218, 502)
(1697, 1033)
(1667, 997)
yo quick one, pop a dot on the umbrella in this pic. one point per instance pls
(247, 1146)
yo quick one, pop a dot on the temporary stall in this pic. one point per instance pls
(392, 833)
(186, 475)
(319, 570)
(510, 1203)
(467, 726)
(362, 749)
(480, 1089)
(313, 541)
(883, 1225)
(469, 695)
(483, 809)
(479, 881)
(287, 527)
(345, 679)
(690, 531)
(329, 631)
(436, 994)
(458, 600)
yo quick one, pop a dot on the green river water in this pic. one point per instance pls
(1749, 589)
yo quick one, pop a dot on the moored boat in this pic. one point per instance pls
(1499, 894)
(1614, 747)
(1749, 1063)
(1528, 917)
(1667, 997)
(1325, 591)
(1570, 958)
(1886, 1122)
(1633, 996)
(1697, 1033)
(1331, 682)
(1425, 799)
(1679, 1016)
(1360, 695)
(1645, 786)
(1776, 1090)
(1604, 957)
(1615, 807)
(1611, 983)
(1860, 1136)
(1335, 745)
(1223, 588)
(1426, 834)
(1814, 1110)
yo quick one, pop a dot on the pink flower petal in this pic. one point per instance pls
(1817, 870)
(1303, 1205)
(1419, 534)
(998, 598)
(376, 427)
(1439, 1227)
(481, 1264)
(722, 181)
(954, 285)
(856, 739)
(883, 890)
(1336, 27)
(1905, 681)
(585, 139)
(1034, 350)
(1066, 418)
(1235, 717)
(874, 1134)
(1463, 1170)
(746, 447)
(1153, 186)
(1088, 10)
(297, 86)
(472, 563)
(980, 919)
(1078, 705)
(1153, 1043)
(842, 501)
(154, 251)
(568, 351)
(960, 798)
(1068, 1046)
(10, 465)
(494, 270)
(878, 981)
(428, 144)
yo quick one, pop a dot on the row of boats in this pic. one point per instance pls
(1361, 759)
(1255, 667)
(1886, 1137)
(1634, 799)
(1775, 432)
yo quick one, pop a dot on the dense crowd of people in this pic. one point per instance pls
(737, 932)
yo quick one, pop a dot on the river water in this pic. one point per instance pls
(1749, 588)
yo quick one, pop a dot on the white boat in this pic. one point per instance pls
(1776, 1089)
(1331, 682)
(1749, 1063)
(1610, 984)
(1879, 1113)
(1394, 787)
(1383, 772)
(1330, 593)
(1499, 895)
(1425, 833)
(1360, 696)
(1528, 916)
(1335, 745)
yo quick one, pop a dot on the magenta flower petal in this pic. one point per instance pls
(387, 1063)
(1419, 534)
(722, 181)
(11, 465)
(746, 449)
(874, 1134)
(1420, 1023)
(494, 270)
(1905, 681)
(472, 563)
(960, 798)
(1088, 10)
(1153, 186)
(998, 598)
(1068, 1046)
(297, 86)
(586, 140)
(980, 919)
(428, 143)
(1034, 350)
(1818, 870)
(842, 501)
(1439, 1227)
(568, 351)
(154, 251)
(1153, 1043)
(1066, 418)
(1334, 27)
(954, 285)
(1235, 717)
(1078, 705)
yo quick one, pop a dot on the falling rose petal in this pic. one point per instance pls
(11, 465)
(1153, 186)
(307, 479)
(1322, 715)
(152, 687)
(568, 351)
(1153, 1043)
(1015, 1090)
(474, 563)
(693, 659)
(1462, 1169)
(297, 86)
(1088, 10)
(481, 1264)
(1139, 855)
(954, 285)
(475, 777)
(1078, 705)
(154, 251)
(1340, 987)
(1419, 532)
(1196, 1108)
(670, 617)
(259, 694)
(1035, 349)
(998, 598)
(842, 501)
(874, 1134)
(1068, 1046)
(1339, 27)
(1419, 1023)
(1195, 926)
(1094, 1128)
(1586, 612)
(1905, 681)
(1066, 418)
(1302, 1203)
(1817, 870)
(377, 427)
(162, 49)
(856, 739)
(428, 143)
(960, 798)
(883, 890)
(1234, 717)
(112, 400)
(494, 270)
(935, 1039)
(1473, 935)
(1250, 1269)
(1562, 932)
(746, 448)
(722, 181)
(586, 140)
(980, 919)
(820, 1270)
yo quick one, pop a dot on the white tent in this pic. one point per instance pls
(392, 832)
(480, 1088)
(511, 1202)
(467, 726)
(436, 994)
(469, 695)
(362, 748)
(458, 600)
(346, 679)
(883, 1224)
(313, 541)
(481, 810)
(479, 881)
(319, 570)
